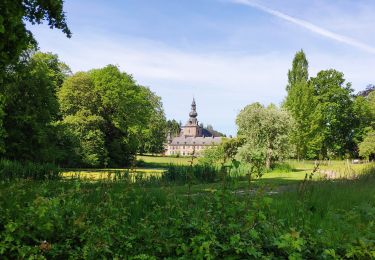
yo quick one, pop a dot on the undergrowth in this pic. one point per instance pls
(75, 219)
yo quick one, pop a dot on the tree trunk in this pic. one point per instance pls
(268, 158)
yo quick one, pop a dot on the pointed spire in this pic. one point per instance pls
(193, 113)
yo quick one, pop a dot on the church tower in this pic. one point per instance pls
(192, 128)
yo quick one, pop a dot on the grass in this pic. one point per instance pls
(102, 219)
(149, 161)
(111, 218)
(110, 174)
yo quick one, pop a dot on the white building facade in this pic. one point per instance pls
(193, 139)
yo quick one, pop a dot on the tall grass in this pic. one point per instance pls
(10, 170)
(183, 174)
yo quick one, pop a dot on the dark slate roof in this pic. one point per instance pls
(188, 140)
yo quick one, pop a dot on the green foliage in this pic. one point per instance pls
(367, 147)
(173, 127)
(364, 117)
(2, 130)
(300, 103)
(213, 155)
(153, 134)
(14, 37)
(299, 72)
(329, 121)
(332, 121)
(222, 153)
(111, 115)
(11, 170)
(266, 133)
(31, 106)
(201, 173)
(74, 219)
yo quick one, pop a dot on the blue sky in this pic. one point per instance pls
(225, 53)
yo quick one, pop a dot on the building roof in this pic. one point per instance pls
(187, 140)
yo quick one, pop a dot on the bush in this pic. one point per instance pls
(10, 170)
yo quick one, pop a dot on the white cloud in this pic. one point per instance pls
(222, 82)
(309, 26)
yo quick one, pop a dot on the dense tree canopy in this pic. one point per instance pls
(330, 121)
(16, 39)
(333, 117)
(30, 105)
(111, 116)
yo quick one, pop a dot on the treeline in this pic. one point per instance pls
(97, 118)
(330, 121)
(320, 118)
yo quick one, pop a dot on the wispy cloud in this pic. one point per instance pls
(309, 26)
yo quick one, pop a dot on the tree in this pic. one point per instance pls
(153, 135)
(14, 37)
(369, 89)
(31, 106)
(299, 72)
(367, 147)
(299, 102)
(333, 117)
(367, 128)
(173, 127)
(214, 132)
(107, 110)
(265, 130)
(224, 152)
(363, 118)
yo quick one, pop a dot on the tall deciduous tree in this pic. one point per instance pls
(31, 106)
(107, 110)
(266, 133)
(16, 39)
(299, 102)
(333, 118)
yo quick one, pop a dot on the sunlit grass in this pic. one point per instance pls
(162, 161)
(111, 174)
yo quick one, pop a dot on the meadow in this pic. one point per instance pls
(281, 215)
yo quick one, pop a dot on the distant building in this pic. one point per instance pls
(192, 137)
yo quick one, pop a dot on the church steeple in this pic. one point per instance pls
(192, 128)
(193, 113)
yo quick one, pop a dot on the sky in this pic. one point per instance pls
(224, 53)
